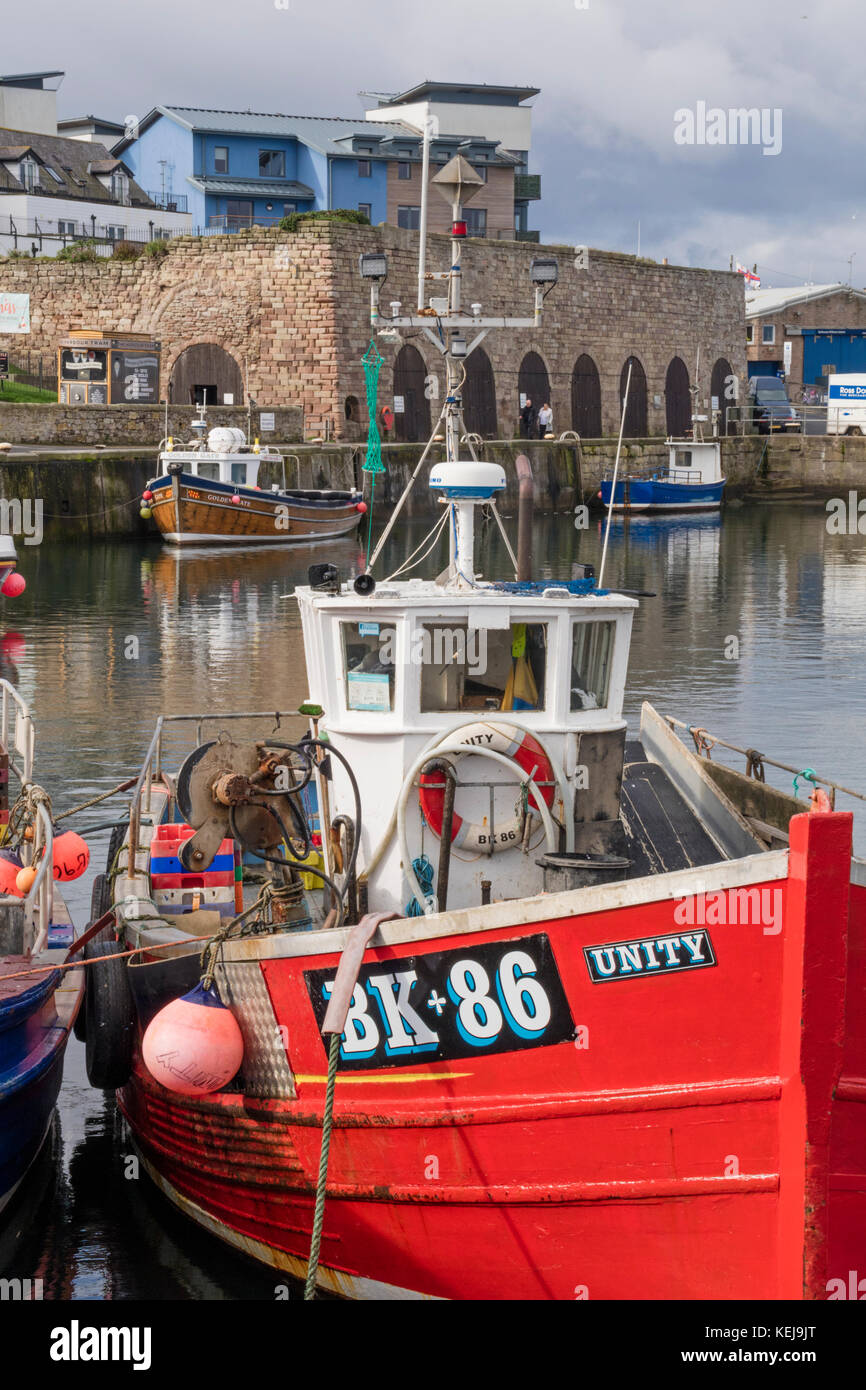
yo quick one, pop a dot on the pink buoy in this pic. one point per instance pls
(236, 499)
(71, 856)
(13, 585)
(194, 1045)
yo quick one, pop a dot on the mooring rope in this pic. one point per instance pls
(321, 1185)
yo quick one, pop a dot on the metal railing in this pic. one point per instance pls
(18, 741)
(240, 221)
(807, 419)
(169, 202)
(151, 768)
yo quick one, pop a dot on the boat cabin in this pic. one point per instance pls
(693, 461)
(513, 684)
(225, 457)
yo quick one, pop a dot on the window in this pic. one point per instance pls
(591, 653)
(367, 210)
(480, 669)
(481, 171)
(404, 169)
(409, 217)
(768, 334)
(208, 470)
(289, 208)
(272, 164)
(66, 228)
(28, 173)
(239, 473)
(54, 174)
(115, 232)
(365, 169)
(221, 159)
(750, 332)
(476, 221)
(368, 661)
(119, 188)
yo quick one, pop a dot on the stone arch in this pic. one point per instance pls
(412, 423)
(479, 395)
(205, 373)
(636, 411)
(533, 380)
(678, 401)
(586, 398)
(720, 381)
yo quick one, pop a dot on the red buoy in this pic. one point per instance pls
(71, 856)
(147, 494)
(193, 1046)
(13, 585)
(236, 499)
(9, 872)
(361, 507)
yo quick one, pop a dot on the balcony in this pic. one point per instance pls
(527, 187)
(169, 202)
(527, 236)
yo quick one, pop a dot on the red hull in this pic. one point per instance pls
(700, 1136)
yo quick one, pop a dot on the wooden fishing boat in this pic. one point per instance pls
(209, 495)
(691, 481)
(38, 1002)
(574, 1014)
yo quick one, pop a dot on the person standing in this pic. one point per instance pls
(527, 419)
(545, 420)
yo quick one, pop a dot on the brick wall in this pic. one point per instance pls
(293, 312)
(846, 309)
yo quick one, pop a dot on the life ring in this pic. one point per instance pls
(522, 749)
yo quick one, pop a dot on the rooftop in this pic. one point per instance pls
(509, 96)
(67, 168)
(759, 303)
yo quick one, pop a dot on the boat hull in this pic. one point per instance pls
(193, 511)
(668, 1133)
(656, 495)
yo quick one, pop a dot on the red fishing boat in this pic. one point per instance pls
(569, 1014)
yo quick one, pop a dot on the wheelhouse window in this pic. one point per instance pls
(465, 668)
(209, 470)
(272, 164)
(591, 655)
(368, 663)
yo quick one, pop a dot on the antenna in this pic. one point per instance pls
(615, 472)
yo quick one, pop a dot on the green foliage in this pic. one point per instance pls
(297, 219)
(79, 251)
(16, 255)
(156, 250)
(11, 391)
(126, 251)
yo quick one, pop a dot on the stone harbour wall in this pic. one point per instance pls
(71, 426)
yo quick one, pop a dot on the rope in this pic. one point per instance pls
(85, 516)
(321, 1185)
(433, 536)
(372, 363)
(808, 775)
(288, 895)
(424, 874)
(94, 801)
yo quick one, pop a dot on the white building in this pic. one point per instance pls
(55, 190)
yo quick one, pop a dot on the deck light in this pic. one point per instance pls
(373, 265)
(544, 270)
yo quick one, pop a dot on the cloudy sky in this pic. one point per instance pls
(613, 74)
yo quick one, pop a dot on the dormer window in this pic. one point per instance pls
(119, 188)
(29, 174)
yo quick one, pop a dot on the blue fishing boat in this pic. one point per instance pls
(690, 481)
(38, 1002)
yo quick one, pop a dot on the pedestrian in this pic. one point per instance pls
(545, 420)
(527, 419)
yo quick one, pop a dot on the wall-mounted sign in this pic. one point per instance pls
(786, 357)
(83, 364)
(228, 398)
(4, 363)
(134, 377)
(14, 313)
(399, 405)
(266, 421)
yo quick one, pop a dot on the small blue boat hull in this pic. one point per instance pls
(657, 495)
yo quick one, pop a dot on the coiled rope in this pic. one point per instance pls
(322, 1182)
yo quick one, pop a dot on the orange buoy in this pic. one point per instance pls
(71, 856)
(28, 833)
(9, 872)
(24, 879)
(193, 1046)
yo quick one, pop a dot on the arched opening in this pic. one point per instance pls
(678, 402)
(724, 389)
(352, 408)
(636, 411)
(411, 406)
(205, 374)
(479, 395)
(586, 398)
(533, 385)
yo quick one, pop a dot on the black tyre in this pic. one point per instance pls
(100, 898)
(110, 1018)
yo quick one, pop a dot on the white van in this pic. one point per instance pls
(846, 404)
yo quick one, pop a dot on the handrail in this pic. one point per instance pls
(24, 736)
(703, 739)
(39, 902)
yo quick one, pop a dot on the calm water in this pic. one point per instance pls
(108, 636)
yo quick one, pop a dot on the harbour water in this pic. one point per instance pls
(756, 633)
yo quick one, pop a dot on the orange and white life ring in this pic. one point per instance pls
(522, 749)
